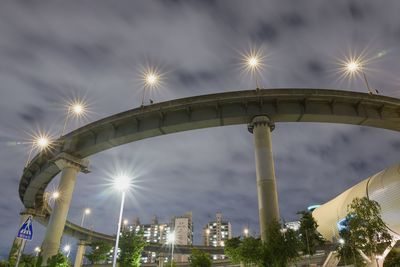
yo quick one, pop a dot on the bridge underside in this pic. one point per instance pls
(280, 105)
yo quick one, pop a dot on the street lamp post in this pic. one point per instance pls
(67, 249)
(253, 62)
(171, 240)
(37, 251)
(355, 66)
(208, 236)
(85, 212)
(246, 232)
(40, 142)
(151, 79)
(121, 183)
(77, 109)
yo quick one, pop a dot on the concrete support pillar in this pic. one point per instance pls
(268, 208)
(79, 254)
(160, 260)
(70, 167)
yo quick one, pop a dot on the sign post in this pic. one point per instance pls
(25, 232)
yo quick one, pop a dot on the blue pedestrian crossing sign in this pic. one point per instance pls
(26, 229)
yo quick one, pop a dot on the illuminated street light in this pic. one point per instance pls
(151, 79)
(122, 183)
(341, 241)
(67, 249)
(37, 251)
(354, 66)
(125, 222)
(253, 63)
(84, 213)
(76, 108)
(55, 195)
(171, 240)
(41, 142)
(246, 232)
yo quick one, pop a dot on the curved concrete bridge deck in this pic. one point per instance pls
(280, 105)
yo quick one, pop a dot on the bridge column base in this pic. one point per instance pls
(70, 167)
(79, 254)
(268, 207)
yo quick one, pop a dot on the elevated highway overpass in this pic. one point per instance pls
(260, 109)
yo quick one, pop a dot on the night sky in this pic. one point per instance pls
(53, 51)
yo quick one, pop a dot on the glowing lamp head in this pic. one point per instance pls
(246, 231)
(87, 211)
(55, 195)
(208, 231)
(253, 62)
(77, 108)
(171, 238)
(37, 249)
(341, 241)
(353, 66)
(151, 79)
(125, 222)
(42, 142)
(122, 183)
(67, 248)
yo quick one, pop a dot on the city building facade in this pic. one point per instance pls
(215, 233)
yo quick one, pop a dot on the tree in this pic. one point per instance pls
(58, 260)
(365, 235)
(27, 260)
(169, 264)
(199, 259)
(247, 250)
(392, 259)
(310, 239)
(251, 250)
(131, 245)
(231, 249)
(99, 252)
(281, 246)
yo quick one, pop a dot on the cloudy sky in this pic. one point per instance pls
(52, 51)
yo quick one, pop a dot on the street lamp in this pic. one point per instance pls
(121, 183)
(40, 142)
(354, 66)
(246, 232)
(76, 108)
(208, 236)
(171, 240)
(37, 250)
(151, 79)
(86, 211)
(67, 249)
(55, 195)
(253, 63)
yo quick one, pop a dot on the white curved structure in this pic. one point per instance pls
(383, 187)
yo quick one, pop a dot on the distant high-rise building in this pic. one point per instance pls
(215, 233)
(183, 231)
(181, 226)
(153, 233)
